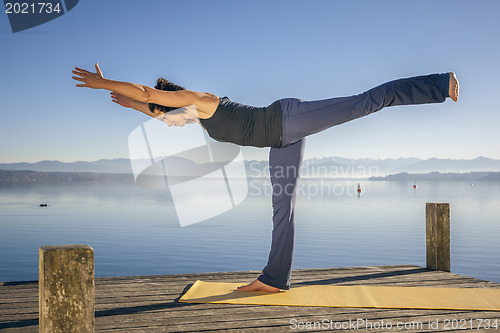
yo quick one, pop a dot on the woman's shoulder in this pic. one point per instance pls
(208, 104)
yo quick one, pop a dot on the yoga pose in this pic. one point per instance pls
(283, 126)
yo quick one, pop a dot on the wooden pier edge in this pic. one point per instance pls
(150, 303)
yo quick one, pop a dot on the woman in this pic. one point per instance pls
(283, 126)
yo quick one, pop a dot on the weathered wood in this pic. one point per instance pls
(149, 303)
(438, 236)
(66, 289)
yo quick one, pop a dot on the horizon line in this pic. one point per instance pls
(305, 159)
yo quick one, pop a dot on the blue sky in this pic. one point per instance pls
(254, 52)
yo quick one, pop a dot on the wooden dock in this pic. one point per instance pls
(150, 304)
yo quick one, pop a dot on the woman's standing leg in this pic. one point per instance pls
(303, 118)
(284, 165)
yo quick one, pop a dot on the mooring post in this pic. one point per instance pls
(66, 289)
(438, 236)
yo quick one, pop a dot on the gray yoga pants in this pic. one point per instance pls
(303, 118)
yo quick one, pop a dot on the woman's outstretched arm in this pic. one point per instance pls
(143, 93)
(97, 81)
(131, 103)
(142, 107)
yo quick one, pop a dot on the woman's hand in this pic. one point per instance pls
(128, 102)
(91, 80)
(121, 100)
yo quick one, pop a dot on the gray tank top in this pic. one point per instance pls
(245, 125)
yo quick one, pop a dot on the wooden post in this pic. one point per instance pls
(438, 236)
(66, 289)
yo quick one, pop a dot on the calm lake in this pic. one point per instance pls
(135, 231)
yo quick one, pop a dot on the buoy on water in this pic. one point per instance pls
(359, 188)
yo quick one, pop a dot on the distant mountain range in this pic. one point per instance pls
(10, 177)
(328, 167)
(119, 165)
(438, 176)
(413, 165)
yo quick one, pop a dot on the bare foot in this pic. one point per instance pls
(258, 286)
(453, 89)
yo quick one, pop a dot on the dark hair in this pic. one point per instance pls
(163, 84)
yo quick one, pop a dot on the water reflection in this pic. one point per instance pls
(135, 231)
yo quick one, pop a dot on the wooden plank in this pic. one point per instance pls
(149, 303)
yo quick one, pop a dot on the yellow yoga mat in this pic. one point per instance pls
(350, 297)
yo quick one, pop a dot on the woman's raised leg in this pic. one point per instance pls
(303, 118)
